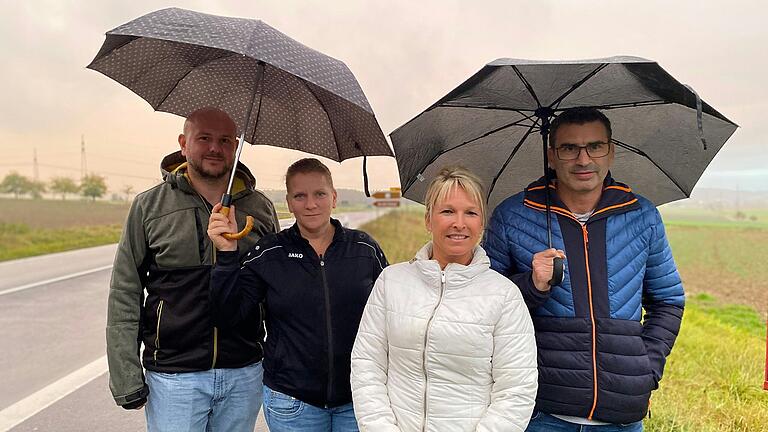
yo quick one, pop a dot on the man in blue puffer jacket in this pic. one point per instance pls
(598, 363)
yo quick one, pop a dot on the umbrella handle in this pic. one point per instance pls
(557, 272)
(241, 234)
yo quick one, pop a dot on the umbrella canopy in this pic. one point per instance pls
(179, 61)
(664, 135)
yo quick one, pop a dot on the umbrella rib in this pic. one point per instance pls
(325, 111)
(503, 167)
(633, 104)
(146, 72)
(442, 152)
(522, 112)
(162, 101)
(645, 155)
(527, 85)
(579, 84)
(556, 107)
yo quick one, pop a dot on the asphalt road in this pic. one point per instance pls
(52, 318)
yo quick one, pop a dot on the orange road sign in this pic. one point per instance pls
(390, 194)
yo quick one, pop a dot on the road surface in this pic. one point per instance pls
(53, 371)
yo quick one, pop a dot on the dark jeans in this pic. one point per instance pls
(543, 422)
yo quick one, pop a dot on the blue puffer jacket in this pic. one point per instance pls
(596, 359)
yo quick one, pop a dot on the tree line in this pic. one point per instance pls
(91, 186)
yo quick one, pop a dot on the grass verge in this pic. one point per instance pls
(400, 234)
(713, 379)
(20, 241)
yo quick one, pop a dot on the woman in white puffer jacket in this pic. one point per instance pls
(445, 343)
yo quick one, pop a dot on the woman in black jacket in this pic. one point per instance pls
(313, 280)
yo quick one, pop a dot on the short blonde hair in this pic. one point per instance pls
(307, 166)
(452, 177)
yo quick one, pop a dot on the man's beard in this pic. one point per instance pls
(208, 174)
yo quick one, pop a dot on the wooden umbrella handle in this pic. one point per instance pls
(241, 234)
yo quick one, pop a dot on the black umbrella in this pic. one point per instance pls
(664, 134)
(278, 91)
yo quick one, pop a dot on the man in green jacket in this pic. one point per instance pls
(198, 377)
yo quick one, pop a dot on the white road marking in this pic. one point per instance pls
(56, 279)
(22, 410)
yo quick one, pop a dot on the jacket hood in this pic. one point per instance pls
(173, 168)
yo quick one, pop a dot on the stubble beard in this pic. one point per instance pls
(209, 175)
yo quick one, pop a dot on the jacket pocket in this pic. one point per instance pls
(281, 405)
(623, 355)
(157, 331)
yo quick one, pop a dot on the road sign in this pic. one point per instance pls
(390, 194)
(387, 203)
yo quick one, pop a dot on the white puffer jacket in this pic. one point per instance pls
(444, 351)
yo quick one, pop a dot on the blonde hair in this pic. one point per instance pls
(453, 177)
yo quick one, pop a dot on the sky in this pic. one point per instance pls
(405, 54)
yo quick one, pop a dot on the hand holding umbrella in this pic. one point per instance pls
(545, 268)
(221, 223)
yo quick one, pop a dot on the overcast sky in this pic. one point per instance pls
(406, 54)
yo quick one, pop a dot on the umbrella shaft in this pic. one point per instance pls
(257, 82)
(234, 165)
(545, 143)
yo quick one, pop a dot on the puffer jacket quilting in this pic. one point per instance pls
(448, 350)
(595, 357)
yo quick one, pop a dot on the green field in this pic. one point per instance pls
(713, 379)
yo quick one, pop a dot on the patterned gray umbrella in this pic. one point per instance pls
(664, 135)
(179, 61)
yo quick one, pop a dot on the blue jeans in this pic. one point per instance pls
(206, 401)
(543, 422)
(288, 414)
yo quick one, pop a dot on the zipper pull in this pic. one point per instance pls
(442, 276)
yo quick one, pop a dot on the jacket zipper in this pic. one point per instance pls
(157, 330)
(215, 329)
(215, 346)
(213, 262)
(585, 234)
(426, 340)
(329, 330)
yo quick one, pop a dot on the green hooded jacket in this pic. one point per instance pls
(159, 293)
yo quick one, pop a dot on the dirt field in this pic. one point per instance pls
(52, 214)
(725, 262)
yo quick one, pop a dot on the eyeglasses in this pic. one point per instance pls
(572, 151)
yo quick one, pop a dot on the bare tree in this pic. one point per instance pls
(128, 191)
